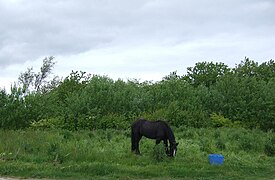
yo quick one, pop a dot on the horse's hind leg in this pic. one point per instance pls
(135, 142)
(138, 138)
(133, 147)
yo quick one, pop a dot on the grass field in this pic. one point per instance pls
(105, 154)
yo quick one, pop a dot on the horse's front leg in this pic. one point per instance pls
(166, 146)
(133, 144)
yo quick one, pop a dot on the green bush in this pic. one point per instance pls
(159, 153)
(269, 147)
(252, 142)
(113, 121)
(52, 123)
(218, 120)
(207, 145)
(220, 144)
(211, 94)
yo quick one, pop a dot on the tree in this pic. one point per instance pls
(39, 82)
(267, 70)
(205, 73)
(13, 112)
(3, 97)
(172, 75)
(247, 68)
(250, 68)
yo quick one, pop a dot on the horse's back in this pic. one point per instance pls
(150, 129)
(138, 123)
(153, 124)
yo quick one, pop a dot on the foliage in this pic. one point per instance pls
(210, 94)
(219, 121)
(250, 68)
(38, 82)
(14, 110)
(206, 73)
(270, 146)
(51, 123)
(159, 153)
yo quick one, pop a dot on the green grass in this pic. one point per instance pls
(105, 154)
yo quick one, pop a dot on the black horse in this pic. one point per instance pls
(158, 130)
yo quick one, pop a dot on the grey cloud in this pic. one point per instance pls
(31, 29)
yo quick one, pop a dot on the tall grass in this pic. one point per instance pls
(106, 154)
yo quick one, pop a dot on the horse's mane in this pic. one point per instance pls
(171, 134)
(164, 122)
(157, 121)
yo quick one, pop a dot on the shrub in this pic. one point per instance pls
(207, 145)
(54, 153)
(219, 121)
(251, 141)
(113, 121)
(269, 147)
(66, 134)
(220, 144)
(51, 123)
(159, 153)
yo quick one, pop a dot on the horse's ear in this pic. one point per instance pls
(177, 144)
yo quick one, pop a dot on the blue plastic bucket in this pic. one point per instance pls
(215, 159)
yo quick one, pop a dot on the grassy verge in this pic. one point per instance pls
(105, 154)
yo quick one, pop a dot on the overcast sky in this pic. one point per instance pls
(142, 39)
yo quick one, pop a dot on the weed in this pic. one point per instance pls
(207, 145)
(220, 144)
(159, 153)
(106, 154)
(55, 154)
(67, 135)
(269, 147)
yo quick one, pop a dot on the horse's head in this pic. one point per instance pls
(173, 149)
